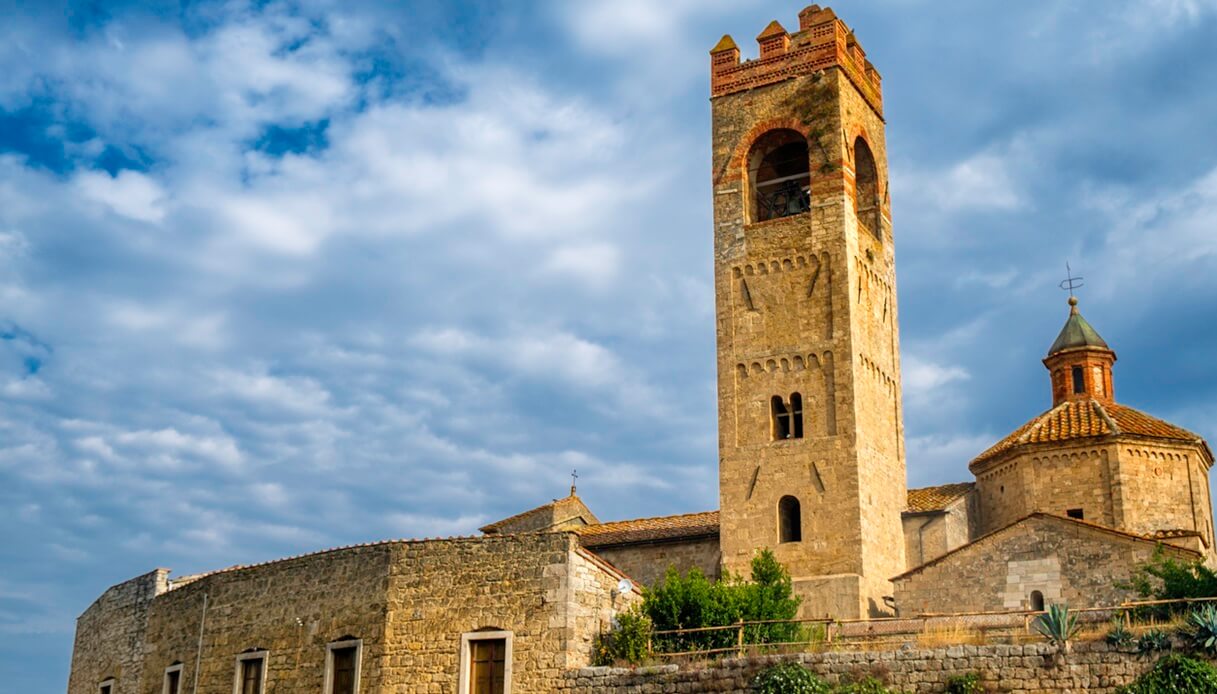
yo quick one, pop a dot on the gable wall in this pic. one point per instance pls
(1067, 562)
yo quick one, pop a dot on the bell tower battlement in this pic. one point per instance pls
(822, 41)
(811, 442)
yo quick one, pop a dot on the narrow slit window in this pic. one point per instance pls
(781, 418)
(796, 415)
(1079, 381)
(790, 520)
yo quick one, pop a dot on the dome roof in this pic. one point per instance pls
(1082, 419)
(1076, 333)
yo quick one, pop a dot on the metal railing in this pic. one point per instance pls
(932, 629)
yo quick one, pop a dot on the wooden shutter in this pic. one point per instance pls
(488, 657)
(344, 670)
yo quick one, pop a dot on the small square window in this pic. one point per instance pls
(106, 687)
(1076, 513)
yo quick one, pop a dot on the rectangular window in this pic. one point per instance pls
(251, 673)
(106, 687)
(173, 679)
(342, 666)
(485, 663)
(487, 658)
(1076, 513)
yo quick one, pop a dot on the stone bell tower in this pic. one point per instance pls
(811, 439)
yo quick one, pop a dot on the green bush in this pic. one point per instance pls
(1153, 641)
(1175, 674)
(626, 642)
(1163, 578)
(1202, 628)
(693, 601)
(965, 684)
(789, 678)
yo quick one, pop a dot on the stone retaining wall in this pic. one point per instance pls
(1026, 669)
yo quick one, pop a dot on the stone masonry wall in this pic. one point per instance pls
(291, 608)
(1064, 560)
(408, 601)
(1094, 668)
(647, 563)
(526, 584)
(110, 636)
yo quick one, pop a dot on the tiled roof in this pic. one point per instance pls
(687, 526)
(937, 498)
(1081, 419)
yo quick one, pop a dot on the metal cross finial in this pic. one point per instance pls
(1071, 283)
(574, 475)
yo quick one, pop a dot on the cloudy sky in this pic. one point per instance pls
(279, 276)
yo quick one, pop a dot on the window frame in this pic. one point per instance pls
(794, 511)
(464, 684)
(259, 654)
(176, 667)
(107, 686)
(332, 646)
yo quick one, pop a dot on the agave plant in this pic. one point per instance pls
(1203, 628)
(1119, 635)
(1154, 640)
(1057, 625)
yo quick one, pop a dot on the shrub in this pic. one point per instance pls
(1202, 632)
(789, 678)
(1119, 635)
(626, 642)
(1057, 625)
(693, 601)
(1174, 674)
(1163, 578)
(1154, 640)
(965, 684)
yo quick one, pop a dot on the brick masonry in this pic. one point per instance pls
(1094, 668)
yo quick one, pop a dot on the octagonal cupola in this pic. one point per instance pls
(1080, 361)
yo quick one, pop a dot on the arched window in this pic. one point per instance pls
(1079, 381)
(790, 520)
(781, 418)
(1037, 601)
(796, 415)
(866, 189)
(779, 174)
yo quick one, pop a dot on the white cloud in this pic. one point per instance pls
(130, 194)
(594, 264)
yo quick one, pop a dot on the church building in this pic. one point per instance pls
(811, 461)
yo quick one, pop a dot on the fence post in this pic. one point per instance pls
(828, 630)
(739, 638)
(650, 647)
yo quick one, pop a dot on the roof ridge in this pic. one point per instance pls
(1111, 423)
(640, 520)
